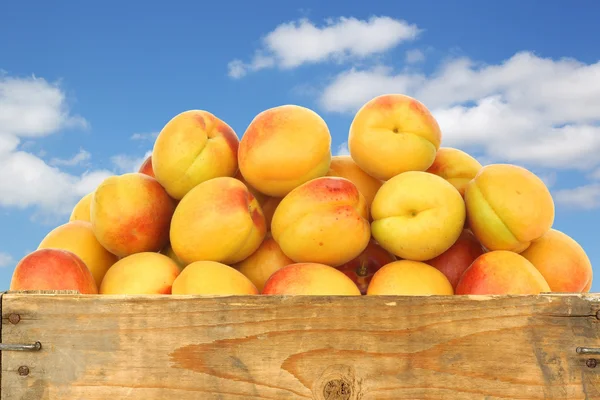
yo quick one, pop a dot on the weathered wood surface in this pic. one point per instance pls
(351, 348)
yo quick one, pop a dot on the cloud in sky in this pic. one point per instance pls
(129, 163)
(31, 107)
(296, 43)
(595, 175)
(145, 136)
(342, 150)
(528, 110)
(6, 260)
(585, 197)
(414, 56)
(80, 158)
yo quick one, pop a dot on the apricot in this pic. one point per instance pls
(267, 259)
(81, 211)
(454, 261)
(345, 167)
(455, 166)
(218, 220)
(391, 134)
(131, 213)
(561, 261)
(508, 207)
(409, 278)
(193, 147)
(310, 279)
(362, 268)
(53, 269)
(284, 147)
(146, 167)
(501, 272)
(212, 278)
(78, 237)
(417, 215)
(140, 273)
(325, 220)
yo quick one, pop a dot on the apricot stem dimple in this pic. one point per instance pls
(395, 130)
(211, 130)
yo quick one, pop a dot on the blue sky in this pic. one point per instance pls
(84, 87)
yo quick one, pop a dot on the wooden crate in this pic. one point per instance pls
(263, 347)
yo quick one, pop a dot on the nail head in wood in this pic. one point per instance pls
(23, 370)
(591, 363)
(14, 318)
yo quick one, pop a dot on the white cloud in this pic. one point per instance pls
(584, 197)
(128, 163)
(32, 108)
(78, 159)
(8, 143)
(414, 56)
(144, 136)
(528, 110)
(352, 88)
(27, 181)
(296, 43)
(237, 69)
(6, 260)
(595, 175)
(342, 150)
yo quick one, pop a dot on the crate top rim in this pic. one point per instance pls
(329, 298)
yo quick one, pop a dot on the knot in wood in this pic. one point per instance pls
(337, 382)
(337, 389)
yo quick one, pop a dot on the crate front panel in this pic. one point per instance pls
(272, 347)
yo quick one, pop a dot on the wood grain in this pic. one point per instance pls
(271, 347)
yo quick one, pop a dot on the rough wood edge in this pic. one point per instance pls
(75, 293)
(240, 301)
(42, 292)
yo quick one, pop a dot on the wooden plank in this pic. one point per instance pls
(334, 348)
